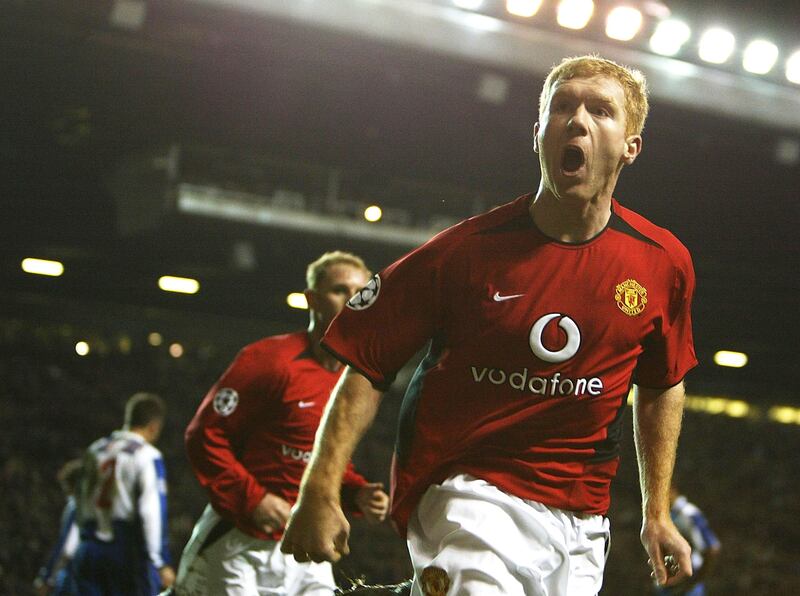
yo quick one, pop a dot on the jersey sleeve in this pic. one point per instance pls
(389, 320)
(669, 351)
(219, 428)
(152, 507)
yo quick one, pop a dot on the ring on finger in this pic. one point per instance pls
(673, 567)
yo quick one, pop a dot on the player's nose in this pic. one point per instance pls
(578, 120)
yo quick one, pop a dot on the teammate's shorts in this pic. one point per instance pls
(221, 560)
(489, 542)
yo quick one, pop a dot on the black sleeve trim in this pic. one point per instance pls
(380, 385)
(620, 225)
(660, 388)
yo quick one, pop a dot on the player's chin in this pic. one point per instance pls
(575, 188)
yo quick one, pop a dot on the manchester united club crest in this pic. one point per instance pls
(631, 297)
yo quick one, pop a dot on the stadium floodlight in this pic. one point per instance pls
(623, 23)
(180, 285)
(730, 359)
(82, 348)
(468, 4)
(128, 14)
(760, 56)
(523, 8)
(737, 408)
(42, 267)
(176, 350)
(784, 414)
(155, 339)
(125, 344)
(297, 300)
(716, 405)
(669, 37)
(574, 14)
(716, 45)
(793, 68)
(373, 213)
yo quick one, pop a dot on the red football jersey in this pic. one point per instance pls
(534, 345)
(254, 431)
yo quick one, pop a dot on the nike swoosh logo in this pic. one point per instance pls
(305, 404)
(499, 298)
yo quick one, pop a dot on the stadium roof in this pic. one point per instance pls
(103, 122)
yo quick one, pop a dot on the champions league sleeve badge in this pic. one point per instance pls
(365, 297)
(225, 401)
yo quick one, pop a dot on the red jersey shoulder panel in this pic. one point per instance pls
(674, 248)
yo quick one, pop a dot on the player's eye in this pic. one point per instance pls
(601, 111)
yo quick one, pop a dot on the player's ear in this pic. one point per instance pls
(154, 428)
(536, 137)
(633, 147)
(311, 298)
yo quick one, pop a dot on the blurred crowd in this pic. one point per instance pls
(53, 403)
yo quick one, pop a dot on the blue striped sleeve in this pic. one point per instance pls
(161, 476)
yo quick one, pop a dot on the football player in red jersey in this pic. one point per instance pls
(249, 443)
(540, 315)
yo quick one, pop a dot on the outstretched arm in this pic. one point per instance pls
(657, 425)
(317, 529)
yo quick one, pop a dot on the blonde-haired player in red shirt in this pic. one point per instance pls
(249, 443)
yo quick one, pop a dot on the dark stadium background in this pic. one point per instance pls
(100, 124)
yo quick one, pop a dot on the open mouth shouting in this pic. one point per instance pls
(573, 160)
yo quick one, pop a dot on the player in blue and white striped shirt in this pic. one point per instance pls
(122, 509)
(54, 576)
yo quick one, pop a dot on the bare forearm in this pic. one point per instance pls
(349, 414)
(657, 425)
(318, 530)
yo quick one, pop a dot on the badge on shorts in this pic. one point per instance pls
(225, 401)
(365, 297)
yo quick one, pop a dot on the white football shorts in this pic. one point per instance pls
(236, 564)
(489, 542)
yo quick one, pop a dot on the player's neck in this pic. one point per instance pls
(325, 359)
(570, 220)
(142, 431)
